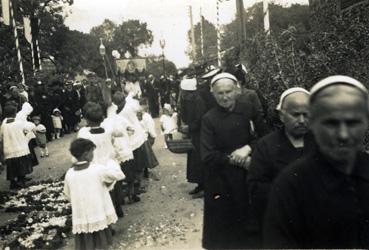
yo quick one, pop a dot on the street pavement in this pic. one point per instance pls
(167, 217)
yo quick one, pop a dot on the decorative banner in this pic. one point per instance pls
(27, 29)
(130, 65)
(6, 11)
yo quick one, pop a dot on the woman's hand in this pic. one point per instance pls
(240, 157)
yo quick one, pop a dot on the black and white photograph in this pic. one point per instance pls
(184, 124)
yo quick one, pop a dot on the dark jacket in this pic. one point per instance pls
(313, 205)
(271, 155)
(226, 200)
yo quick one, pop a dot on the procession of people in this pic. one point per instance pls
(299, 186)
(268, 133)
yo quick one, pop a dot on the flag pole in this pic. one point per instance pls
(29, 38)
(218, 36)
(193, 42)
(19, 55)
(266, 17)
(39, 55)
(202, 33)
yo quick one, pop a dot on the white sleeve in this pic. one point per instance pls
(82, 133)
(24, 112)
(112, 110)
(66, 188)
(111, 172)
(29, 126)
(150, 125)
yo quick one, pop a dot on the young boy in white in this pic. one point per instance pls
(87, 186)
(40, 132)
(168, 122)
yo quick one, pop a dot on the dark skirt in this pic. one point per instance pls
(18, 167)
(195, 167)
(225, 209)
(32, 145)
(152, 161)
(140, 157)
(128, 168)
(97, 240)
(117, 194)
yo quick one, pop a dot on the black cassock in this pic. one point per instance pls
(226, 199)
(313, 205)
(192, 110)
(70, 107)
(152, 93)
(271, 155)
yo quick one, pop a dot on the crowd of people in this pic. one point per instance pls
(301, 186)
(115, 145)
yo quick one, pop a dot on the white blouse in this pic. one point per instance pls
(88, 191)
(148, 124)
(14, 136)
(129, 112)
(121, 144)
(169, 123)
(104, 151)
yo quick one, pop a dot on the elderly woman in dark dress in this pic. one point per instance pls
(226, 142)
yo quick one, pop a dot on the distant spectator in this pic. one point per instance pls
(57, 122)
(40, 132)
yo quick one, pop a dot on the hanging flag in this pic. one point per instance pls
(28, 36)
(6, 11)
(27, 29)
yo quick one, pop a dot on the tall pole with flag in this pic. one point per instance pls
(242, 28)
(193, 43)
(5, 11)
(19, 55)
(202, 32)
(218, 36)
(266, 17)
(28, 36)
(39, 55)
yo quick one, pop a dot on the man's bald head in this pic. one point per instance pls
(295, 99)
(294, 113)
(340, 94)
(339, 121)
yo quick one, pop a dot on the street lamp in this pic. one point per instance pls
(102, 53)
(162, 45)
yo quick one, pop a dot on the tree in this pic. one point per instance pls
(105, 31)
(46, 17)
(129, 35)
(43, 15)
(209, 40)
(155, 67)
(126, 37)
(302, 48)
(74, 51)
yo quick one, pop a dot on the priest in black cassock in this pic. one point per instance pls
(226, 143)
(278, 149)
(321, 201)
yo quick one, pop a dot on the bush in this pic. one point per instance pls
(296, 56)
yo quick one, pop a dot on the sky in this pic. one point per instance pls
(168, 19)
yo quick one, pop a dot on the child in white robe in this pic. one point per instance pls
(87, 185)
(103, 139)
